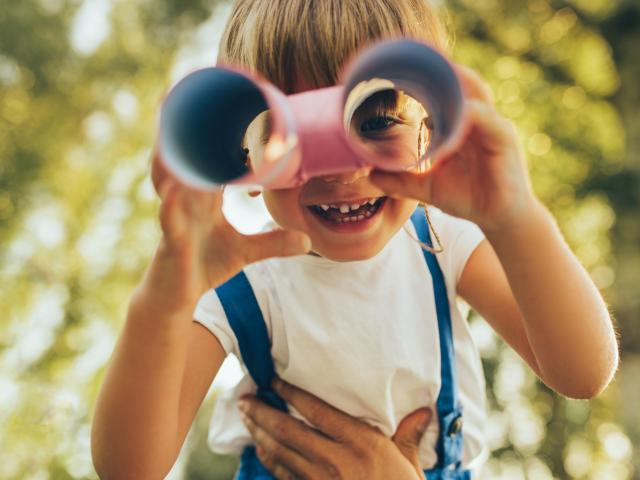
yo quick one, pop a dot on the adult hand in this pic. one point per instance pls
(338, 446)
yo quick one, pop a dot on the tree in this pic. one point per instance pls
(79, 95)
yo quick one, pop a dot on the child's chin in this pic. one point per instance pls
(350, 253)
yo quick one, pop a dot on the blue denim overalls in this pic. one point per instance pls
(246, 321)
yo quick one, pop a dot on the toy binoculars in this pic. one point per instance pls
(397, 103)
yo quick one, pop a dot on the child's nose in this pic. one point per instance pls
(351, 176)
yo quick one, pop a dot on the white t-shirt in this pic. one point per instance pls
(362, 335)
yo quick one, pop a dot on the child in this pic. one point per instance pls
(357, 313)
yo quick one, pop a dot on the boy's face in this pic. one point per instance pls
(302, 208)
(345, 215)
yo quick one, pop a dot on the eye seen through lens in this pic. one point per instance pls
(387, 124)
(256, 140)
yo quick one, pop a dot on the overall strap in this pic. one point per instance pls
(246, 320)
(449, 445)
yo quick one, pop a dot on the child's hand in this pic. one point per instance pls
(485, 179)
(199, 249)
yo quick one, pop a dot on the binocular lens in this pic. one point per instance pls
(203, 123)
(259, 143)
(398, 103)
(417, 99)
(387, 125)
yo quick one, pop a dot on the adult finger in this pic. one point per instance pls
(409, 433)
(277, 243)
(280, 472)
(276, 456)
(404, 184)
(326, 418)
(287, 430)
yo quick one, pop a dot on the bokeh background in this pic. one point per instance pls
(80, 86)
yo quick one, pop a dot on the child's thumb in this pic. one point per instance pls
(277, 243)
(403, 184)
(409, 433)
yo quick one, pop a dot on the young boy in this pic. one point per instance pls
(357, 314)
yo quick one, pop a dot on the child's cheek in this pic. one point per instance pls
(285, 208)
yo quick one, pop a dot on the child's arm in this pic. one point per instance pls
(158, 376)
(525, 280)
(164, 362)
(529, 286)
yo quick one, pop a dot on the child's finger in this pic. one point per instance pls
(164, 187)
(404, 184)
(488, 128)
(486, 131)
(473, 86)
(159, 171)
(172, 215)
(277, 243)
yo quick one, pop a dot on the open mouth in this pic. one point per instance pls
(353, 212)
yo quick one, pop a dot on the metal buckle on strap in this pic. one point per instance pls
(455, 427)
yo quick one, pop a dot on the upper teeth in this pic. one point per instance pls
(346, 207)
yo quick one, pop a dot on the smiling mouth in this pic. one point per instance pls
(347, 213)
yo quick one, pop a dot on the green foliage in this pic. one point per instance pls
(78, 214)
(553, 73)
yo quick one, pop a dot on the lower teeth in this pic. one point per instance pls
(359, 218)
(353, 218)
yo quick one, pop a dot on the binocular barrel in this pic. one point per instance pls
(397, 104)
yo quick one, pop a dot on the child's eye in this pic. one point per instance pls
(377, 123)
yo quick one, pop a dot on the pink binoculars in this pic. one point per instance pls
(397, 104)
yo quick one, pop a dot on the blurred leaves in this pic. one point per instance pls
(80, 84)
(554, 73)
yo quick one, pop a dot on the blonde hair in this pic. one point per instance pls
(287, 41)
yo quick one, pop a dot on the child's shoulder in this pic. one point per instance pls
(457, 237)
(452, 229)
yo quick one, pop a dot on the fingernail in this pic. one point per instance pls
(243, 406)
